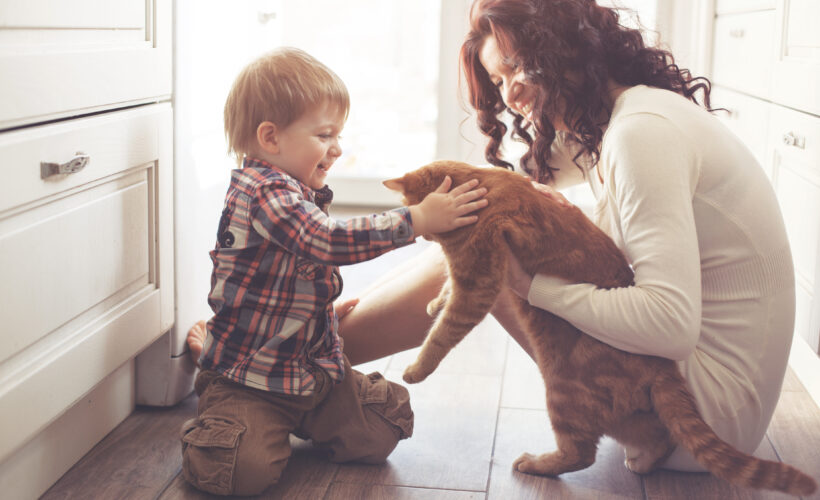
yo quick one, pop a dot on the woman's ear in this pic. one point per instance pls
(267, 137)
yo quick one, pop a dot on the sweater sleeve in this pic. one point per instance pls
(650, 174)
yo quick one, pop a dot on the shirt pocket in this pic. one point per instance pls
(387, 399)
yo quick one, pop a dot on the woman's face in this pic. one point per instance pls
(518, 93)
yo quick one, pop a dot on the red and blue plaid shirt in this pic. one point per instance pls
(275, 278)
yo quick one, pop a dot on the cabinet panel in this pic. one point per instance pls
(64, 258)
(61, 59)
(748, 118)
(796, 77)
(743, 52)
(795, 153)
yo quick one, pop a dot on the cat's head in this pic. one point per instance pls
(415, 185)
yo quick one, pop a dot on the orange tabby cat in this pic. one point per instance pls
(641, 401)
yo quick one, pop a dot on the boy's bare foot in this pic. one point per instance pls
(195, 340)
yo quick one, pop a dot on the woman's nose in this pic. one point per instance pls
(511, 90)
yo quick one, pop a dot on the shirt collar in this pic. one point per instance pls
(321, 197)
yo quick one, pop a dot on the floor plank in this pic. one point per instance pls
(673, 485)
(134, 461)
(795, 433)
(522, 431)
(344, 491)
(452, 441)
(307, 477)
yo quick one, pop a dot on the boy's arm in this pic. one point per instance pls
(288, 219)
(293, 222)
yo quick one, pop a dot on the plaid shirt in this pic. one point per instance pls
(275, 279)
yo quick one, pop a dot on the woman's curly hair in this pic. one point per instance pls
(549, 40)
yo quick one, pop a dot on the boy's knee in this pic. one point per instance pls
(215, 459)
(379, 450)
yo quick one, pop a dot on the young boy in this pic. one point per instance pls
(272, 362)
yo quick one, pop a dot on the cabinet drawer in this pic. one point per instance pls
(86, 259)
(74, 57)
(114, 143)
(744, 52)
(747, 117)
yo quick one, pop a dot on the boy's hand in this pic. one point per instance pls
(442, 211)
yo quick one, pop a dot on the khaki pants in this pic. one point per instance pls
(239, 443)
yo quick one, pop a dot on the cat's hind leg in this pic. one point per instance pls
(573, 453)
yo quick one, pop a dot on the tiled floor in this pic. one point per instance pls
(482, 408)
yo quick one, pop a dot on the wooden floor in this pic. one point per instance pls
(481, 409)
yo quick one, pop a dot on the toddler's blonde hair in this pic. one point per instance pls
(278, 87)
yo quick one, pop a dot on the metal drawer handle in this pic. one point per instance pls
(792, 139)
(264, 17)
(74, 165)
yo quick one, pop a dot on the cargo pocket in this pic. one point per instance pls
(209, 449)
(389, 400)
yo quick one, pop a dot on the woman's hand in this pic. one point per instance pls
(518, 279)
(444, 209)
(550, 192)
(345, 306)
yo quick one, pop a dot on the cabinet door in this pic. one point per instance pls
(75, 57)
(795, 140)
(796, 76)
(87, 259)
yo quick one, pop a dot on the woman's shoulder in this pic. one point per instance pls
(643, 100)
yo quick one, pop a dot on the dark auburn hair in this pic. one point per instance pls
(549, 40)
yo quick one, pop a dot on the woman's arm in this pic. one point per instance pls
(650, 176)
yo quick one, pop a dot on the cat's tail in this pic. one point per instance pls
(678, 412)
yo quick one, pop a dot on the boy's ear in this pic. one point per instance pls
(395, 184)
(267, 137)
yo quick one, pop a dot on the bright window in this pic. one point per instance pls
(387, 53)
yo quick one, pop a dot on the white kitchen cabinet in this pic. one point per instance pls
(86, 254)
(766, 71)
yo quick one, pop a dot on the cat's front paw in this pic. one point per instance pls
(525, 463)
(414, 374)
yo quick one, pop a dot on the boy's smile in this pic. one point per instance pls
(308, 147)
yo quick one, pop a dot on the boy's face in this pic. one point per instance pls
(309, 146)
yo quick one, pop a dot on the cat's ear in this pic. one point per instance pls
(395, 184)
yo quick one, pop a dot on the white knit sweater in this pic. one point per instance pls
(698, 220)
